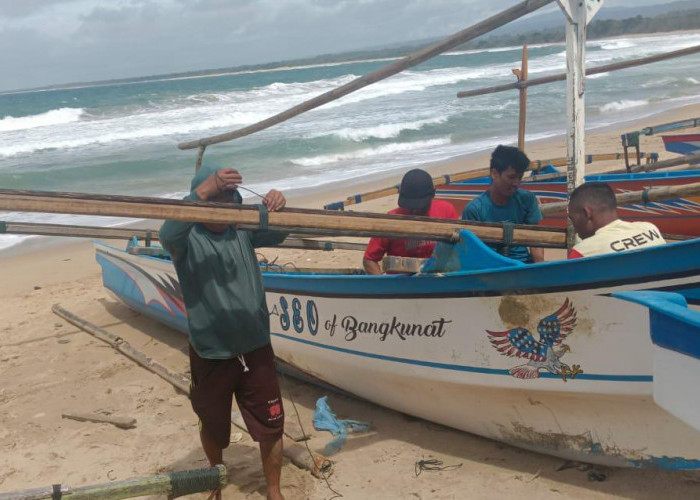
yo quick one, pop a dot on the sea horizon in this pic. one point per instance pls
(121, 138)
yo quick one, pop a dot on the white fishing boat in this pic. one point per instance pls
(542, 357)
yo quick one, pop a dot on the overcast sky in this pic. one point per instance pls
(59, 41)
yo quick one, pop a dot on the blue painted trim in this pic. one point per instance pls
(639, 176)
(669, 261)
(358, 198)
(460, 368)
(673, 325)
(666, 463)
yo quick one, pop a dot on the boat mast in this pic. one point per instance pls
(578, 14)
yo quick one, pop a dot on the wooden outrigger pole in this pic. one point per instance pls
(148, 235)
(560, 77)
(442, 180)
(521, 75)
(305, 221)
(650, 195)
(409, 61)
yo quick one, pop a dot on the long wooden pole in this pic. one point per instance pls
(409, 61)
(298, 454)
(288, 220)
(522, 115)
(660, 193)
(591, 71)
(441, 180)
(171, 484)
(114, 233)
(688, 160)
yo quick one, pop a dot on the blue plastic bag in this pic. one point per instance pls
(325, 420)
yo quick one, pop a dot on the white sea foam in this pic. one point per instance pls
(622, 104)
(382, 131)
(313, 161)
(598, 75)
(54, 117)
(692, 80)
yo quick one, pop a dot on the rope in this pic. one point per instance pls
(508, 229)
(186, 482)
(264, 216)
(433, 465)
(645, 196)
(326, 465)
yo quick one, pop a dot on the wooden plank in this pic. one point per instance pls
(287, 220)
(490, 24)
(591, 71)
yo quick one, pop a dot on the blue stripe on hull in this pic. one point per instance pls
(461, 368)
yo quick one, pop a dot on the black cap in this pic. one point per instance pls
(417, 190)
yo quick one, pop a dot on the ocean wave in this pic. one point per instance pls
(692, 80)
(58, 116)
(622, 104)
(314, 161)
(598, 75)
(382, 131)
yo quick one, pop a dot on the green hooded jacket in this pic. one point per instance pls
(221, 283)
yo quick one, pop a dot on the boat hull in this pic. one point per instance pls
(679, 216)
(685, 144)
(432, 347)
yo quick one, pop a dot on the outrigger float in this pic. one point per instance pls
(555, 357)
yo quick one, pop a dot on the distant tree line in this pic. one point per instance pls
(605, 28)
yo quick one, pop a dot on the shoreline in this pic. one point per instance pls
(50, 368)
(317, 197)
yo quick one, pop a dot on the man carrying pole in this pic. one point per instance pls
(230, 351)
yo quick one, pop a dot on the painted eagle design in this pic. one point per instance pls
(545, 353)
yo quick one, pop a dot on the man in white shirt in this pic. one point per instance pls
(593, 213)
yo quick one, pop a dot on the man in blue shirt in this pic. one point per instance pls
(504, 201)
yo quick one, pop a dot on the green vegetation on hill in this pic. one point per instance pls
(672, 21)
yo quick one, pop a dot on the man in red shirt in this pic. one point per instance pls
(416, 197)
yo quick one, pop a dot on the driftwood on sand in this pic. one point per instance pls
(120, 422)
(300, 456)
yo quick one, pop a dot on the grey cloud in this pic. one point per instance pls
(23, 8)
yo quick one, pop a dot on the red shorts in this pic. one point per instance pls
(257, 391)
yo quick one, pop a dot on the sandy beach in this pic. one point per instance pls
(48, 367)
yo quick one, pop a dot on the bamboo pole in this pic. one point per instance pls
(592, 71)
(522, 114)
(172, 484)
(409, 61)
(288, 220)
(105, 233)
(63, 230)
(179, 381)
(442, 180)
(688, 160)
(693, 162)
(661, 193)
(302, 458)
